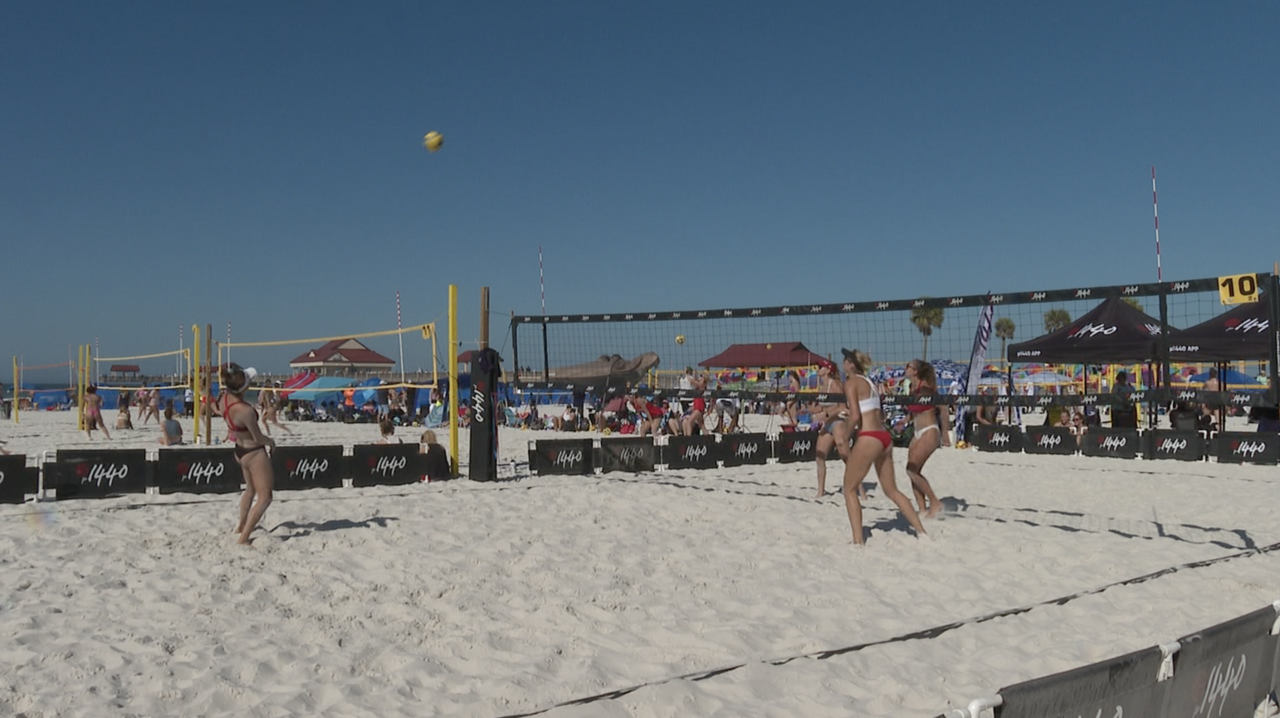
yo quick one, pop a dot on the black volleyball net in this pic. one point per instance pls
(763, 351)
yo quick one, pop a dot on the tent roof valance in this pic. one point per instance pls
(1241, 333)
(776, 354)
(1112, 332)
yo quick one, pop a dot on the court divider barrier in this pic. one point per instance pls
(1231, 670)
(99, 473)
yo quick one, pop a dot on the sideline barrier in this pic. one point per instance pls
(384, 464)
(1111, 443)
(1225, 671)
(98, 473)
(563, 456)
(997, 437)
(1170, 444)
(691, 452)
(636, 454)
(744, 449)
(1239, 447)
(14, 479)
(95, 473)
(308, 467)
(198, 471)
(1049, 440)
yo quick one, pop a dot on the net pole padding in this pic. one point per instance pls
(453, 379)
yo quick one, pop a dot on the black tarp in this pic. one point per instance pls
(1242, 333)
(1111, 333)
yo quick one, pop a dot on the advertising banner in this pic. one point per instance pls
(1224, 670)
(1050, 440)
(12, 475)
(691, 452)
(792, 446)
(997, 437)
(563, 456)
(633, 455)
(1241, 447)
(385, 464)
(213, 471)
(1124, 686)
(740, 449)
(1167, 444)
(308, 467)
(89, 473)
(1115, 443)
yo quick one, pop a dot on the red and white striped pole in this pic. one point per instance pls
(1155, 206)
(400, 334)
(228, 341)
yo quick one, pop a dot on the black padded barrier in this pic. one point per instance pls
(1242, 447)
(1225, 670)
(997, 437)
(95, 473)
(13, 479)
(1049, 440)
(198, 471)
(691, 452)
(744, 449)
(619, 454)
(385, 464)
(1112, 443)
(1123, 686)
(308, 467)
(1170, 444)
(564, 456)
(793, 446)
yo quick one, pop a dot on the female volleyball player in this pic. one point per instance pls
(872, 447)
(93, 412)
(932, 429)
(834, 416)
(251, 449)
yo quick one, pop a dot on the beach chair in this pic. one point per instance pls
(510, 418)
(435, 417)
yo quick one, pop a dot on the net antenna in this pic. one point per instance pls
(1155, 208)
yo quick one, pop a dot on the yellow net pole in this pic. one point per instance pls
(452, 358)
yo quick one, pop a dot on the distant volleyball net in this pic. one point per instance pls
(160, 370)
(366, 356)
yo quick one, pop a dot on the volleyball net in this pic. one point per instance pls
(764, 350)
(160, 370)
(362, 356)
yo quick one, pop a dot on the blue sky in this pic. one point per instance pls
(168, 164)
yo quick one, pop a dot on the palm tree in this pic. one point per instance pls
(1004, 330)
(926, 320)
(1133, 303)
(1055, 319)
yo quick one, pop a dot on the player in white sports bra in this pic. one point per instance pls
(873, 447)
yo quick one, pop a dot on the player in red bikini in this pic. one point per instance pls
(872, 447)
(251, 448)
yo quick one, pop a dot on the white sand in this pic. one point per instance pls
(485, 599)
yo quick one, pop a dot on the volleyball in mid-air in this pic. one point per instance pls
(432, 141)
(679, 339)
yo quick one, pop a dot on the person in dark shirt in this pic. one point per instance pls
(436, 462)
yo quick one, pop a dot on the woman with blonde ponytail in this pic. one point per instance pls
(873, 446)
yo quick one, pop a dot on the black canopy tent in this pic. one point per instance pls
(1242, 333)
(1111, 333)
(1114, 332)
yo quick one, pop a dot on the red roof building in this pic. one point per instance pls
(342, 356)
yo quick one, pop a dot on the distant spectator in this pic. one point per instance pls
(387, 429)
(170, 429)
(123, 419)
(436, 462)
(1124, 415)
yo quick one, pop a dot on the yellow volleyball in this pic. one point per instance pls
(432, 141)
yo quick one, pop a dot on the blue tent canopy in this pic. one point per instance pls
(1231, 379)
(365, 395)
(323, 389)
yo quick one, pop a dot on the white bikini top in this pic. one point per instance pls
(871, 403)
